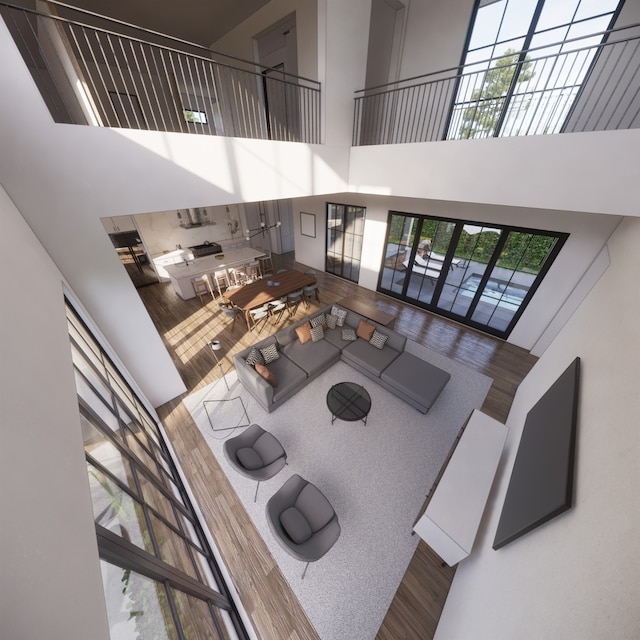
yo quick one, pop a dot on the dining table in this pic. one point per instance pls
(261, 292)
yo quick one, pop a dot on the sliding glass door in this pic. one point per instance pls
(345, 228)
(479, 274)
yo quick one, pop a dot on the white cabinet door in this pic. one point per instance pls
(117, 224)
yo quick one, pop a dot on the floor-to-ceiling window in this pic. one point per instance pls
(345, 228)
(160, 578)
(480, 274)
(525, 63)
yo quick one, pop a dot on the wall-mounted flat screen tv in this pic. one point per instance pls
(541, 484)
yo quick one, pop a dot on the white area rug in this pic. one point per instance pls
(376, 476)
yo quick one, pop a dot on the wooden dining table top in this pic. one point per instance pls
(259, 292)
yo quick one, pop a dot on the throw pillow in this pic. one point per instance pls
(248, 458)
(364, 330)
(340, 314)
(270, 353)
(304, 332)
(317, 333)
(331, 321)
(254, 357)
(295, 525)
(349, 334)
(266, 374)
(318, 321)
(378, 339)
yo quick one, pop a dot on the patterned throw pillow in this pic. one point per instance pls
(340, 315)
(365, 330)
(254, 357)
(331, 321)
(378, 339)
(317, 333)
(317, 321)
(349, 334)
(270, 353)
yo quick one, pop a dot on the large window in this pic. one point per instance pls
(345, 228)
(479, 274)
(159, 574)
(525, 64)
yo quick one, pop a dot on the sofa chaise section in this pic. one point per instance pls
(416, 381)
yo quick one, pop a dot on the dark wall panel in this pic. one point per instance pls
(541, 484)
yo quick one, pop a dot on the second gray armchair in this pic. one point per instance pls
(302, 520)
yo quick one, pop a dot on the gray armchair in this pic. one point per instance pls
(256, 454)
(302, 520)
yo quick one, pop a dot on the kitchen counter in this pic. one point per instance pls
(181, 274)
(164, 260)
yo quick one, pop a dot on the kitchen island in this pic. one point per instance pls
(183, 273)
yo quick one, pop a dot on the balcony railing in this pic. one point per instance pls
(590, 83)
(92, 70)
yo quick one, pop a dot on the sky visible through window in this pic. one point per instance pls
(551, 76)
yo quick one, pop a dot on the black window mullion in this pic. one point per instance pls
(518, 68)
(504, 234)
(136, 462)
(166, 481)
(122, 553)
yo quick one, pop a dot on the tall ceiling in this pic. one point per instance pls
(198, 21)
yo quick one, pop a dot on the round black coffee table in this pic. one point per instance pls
(348, 401)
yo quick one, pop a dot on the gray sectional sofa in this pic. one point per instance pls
(410, 378)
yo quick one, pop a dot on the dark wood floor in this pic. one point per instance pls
(186, 327)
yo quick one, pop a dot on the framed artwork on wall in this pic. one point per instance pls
(308, 224)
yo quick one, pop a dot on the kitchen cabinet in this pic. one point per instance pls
(118, 224)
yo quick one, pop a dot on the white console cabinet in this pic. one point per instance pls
(452, 517)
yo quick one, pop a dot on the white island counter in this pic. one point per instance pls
(182, 274)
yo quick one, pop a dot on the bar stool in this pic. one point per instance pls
(253, 270)
(202, 286)
(238, 276)
(266, 265)
(221, 280)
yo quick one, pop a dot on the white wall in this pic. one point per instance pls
(589, 172)
(50, 584)
(435, 35)
(588, 235)
(576, 576)
(161, 230)
(64, 178)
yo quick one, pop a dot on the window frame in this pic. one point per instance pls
(164, 478)
(441, 281)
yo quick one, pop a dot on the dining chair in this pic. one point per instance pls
(231, 312)
(258, 317)
(293, 301)
(309, 291)
(277, 308)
